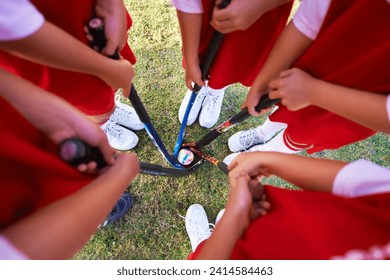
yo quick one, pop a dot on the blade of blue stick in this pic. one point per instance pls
(183, 125)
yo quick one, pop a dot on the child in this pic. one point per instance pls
(343, 213)
(32, 175)
(330, 32)
(308, 224)
(252, 29)
(55, 55)
(59, 230)
(19, 24)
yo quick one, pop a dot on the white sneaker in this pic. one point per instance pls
(195, 107)
(119, 137)
(243, 140)
(211, 108)
(125, 115)
(228, 159)
(197, 225)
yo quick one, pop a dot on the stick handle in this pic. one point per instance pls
(223, 167)
(265, 102)
(75, 151)
(96, 30)
(211, 51)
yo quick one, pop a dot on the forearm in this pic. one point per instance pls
(190, 28)
(60, 229)
(220, 245)
(54, 47)
(351, 104)
(268, 5)
(308, 173)
(288, 48)
(109, 4)
(243, 205)
(42, 109)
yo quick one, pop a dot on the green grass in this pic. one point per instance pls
(153, 229)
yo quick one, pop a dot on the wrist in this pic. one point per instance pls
(237, 217)
(191, 60)
(258, 87)
(268, 161)
(315, 92)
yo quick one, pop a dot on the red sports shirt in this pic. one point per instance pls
(353, 50)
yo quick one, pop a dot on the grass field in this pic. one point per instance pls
(153, 229)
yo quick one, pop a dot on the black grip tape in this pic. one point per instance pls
(223, 167)
(75, 152)
(212, 50)
(96, 30)
(265, 102)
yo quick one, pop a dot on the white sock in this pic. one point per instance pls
(268, 129)
(275, 145)
(216, 91)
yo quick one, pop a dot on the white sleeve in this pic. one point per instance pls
(9, 252)
(310, 16)
(360, 178)
(18, 19)
(188, 6)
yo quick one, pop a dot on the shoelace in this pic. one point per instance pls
(114, 132)
(122, 113)
(200, 96)
(211, 101)
(250, 137)
(201, 232)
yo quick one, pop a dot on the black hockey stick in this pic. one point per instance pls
(211, 53)
(265, 102)
(75, 151)
(96, 30)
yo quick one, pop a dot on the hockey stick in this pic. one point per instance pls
(265, 102)
(96, 30)
(205, 66)
(153, 135)
(221, 165)
(75, 151)
(152, 169)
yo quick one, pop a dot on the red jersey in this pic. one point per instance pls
(31, 173)
(312, 225)
(242, 53)
(353, 50)
(86, 92)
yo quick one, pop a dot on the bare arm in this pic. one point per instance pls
(240, 15)
(246, 202)
(288, 48)
(298, 89)
(308, 173)
(234, 221)
(54, 47)
(60, 229)
(190, 28)
(352, 104)
(56, 118)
